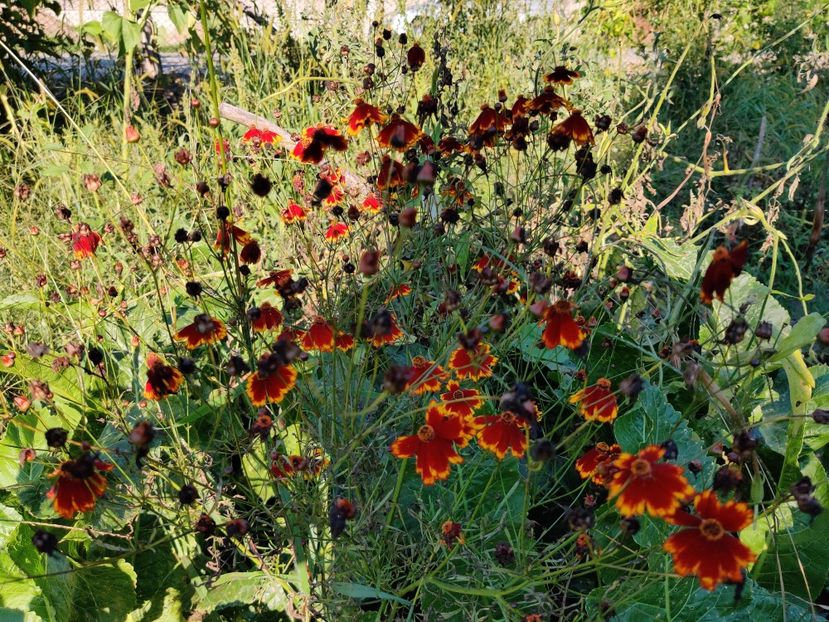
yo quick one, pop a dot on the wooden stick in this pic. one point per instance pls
(352, 182)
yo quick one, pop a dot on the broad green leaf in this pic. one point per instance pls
(528, 339)
(679, 260)
(639, 600)
(180, 18)
(236, 589)
(130, 35)
(797, 557)
(653, 421)
(801, 335)
(137, 5)
(111, 23)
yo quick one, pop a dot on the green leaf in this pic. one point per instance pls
(797, 561)
(20, 301)
(361, 592)
(237, 589)
(180, 18)
(653, 421)
(111, 23)
(137, 5)
(801, 335)
(679, 260)
(130, 35)
(637, 600)
(528, 338)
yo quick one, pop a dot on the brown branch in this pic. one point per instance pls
(354, 183)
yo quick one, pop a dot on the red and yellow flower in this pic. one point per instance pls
(293, 213)
(434, 445)
(461, 402)
(576, 128)
(364, 115)
(398, 291)
(597, 463)
(319, 337)
(597, 402)
(371, 204)
(272, 380)
(642, 484)
(162, 379)
(263, 137)
(560, 328)
(85, 241)
(399, 134)
(708, 546)
(475, 363)
(502, 433)
(79, 484)
(267, 318)
(203, 330)
(336, 231)
(228, 233)
(425, 376)
(724, 266)
(315, 141)
(344, 342)
(389, 335)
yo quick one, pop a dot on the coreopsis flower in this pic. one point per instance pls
(319, 337)
(425, 376)
(488, 124)
(560, 328)
(344, 342)
(398, 291)
(473, 363)
(597, 402)
(451, 534)
(251, 253)
(642, 484)
(336, 231)
(460, 402)
(502, 433)
(293, 213)
(162, 379)
(271, 381)
(562, 75)
(597, 463)
(342, 510)
(227, 234)
(382, 329)
(547, 102)
(265, 317)
(708, 546)
(399, 134)
(363, 116)
(315, 141)
(204, 330)
(724, 266)
(433, 445)
(79, 484)
(371, 204)
(390, 174)
(262, 137)
(85, 241)
(285, 466)
(415, 57)
(576, 128)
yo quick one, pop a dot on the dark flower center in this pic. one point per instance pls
(640, 468)
(426, 433)
(712, 529)
(507, 417)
